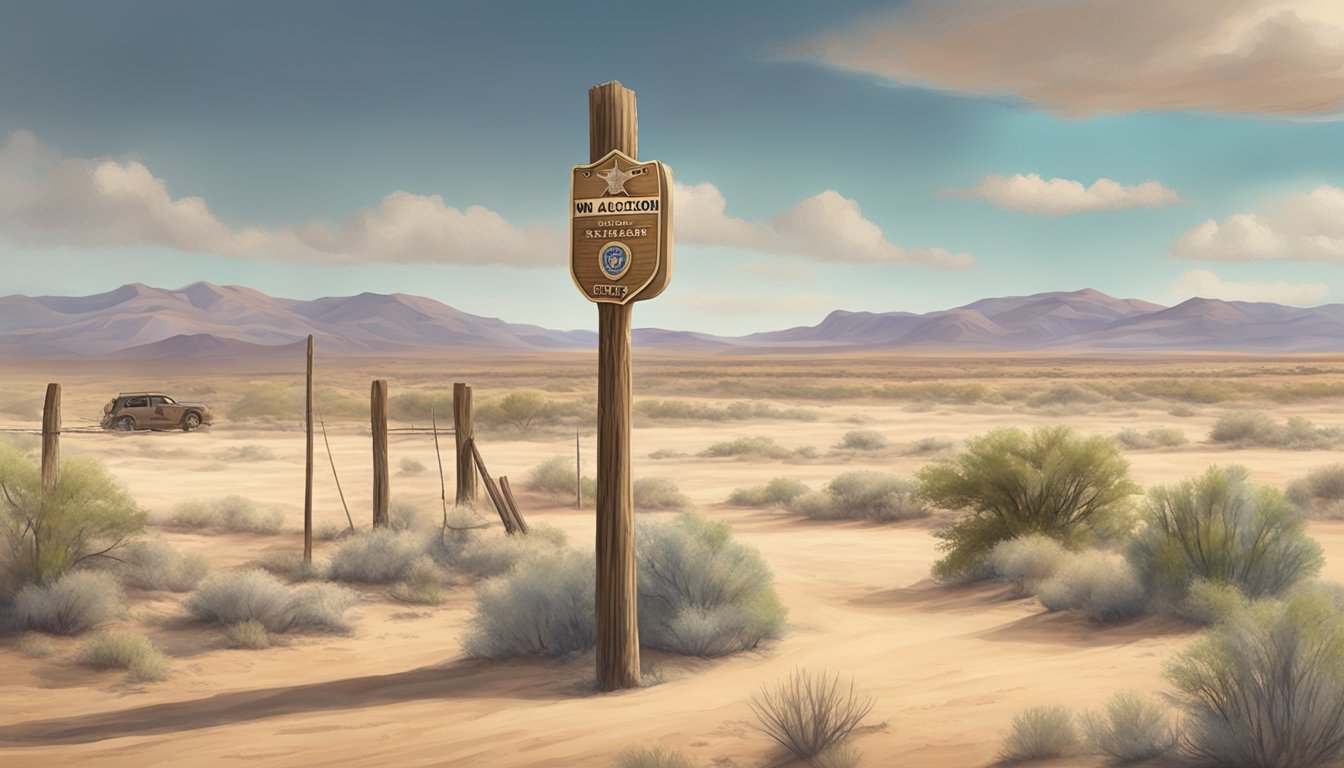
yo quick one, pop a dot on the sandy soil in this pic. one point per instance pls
(948, 666)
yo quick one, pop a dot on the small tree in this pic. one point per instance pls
(1220, 528)
(87, 515)
(522, 408)
(1012, 483)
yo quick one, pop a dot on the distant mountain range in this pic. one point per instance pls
(203, 321)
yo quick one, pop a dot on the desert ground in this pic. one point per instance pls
(948, 666)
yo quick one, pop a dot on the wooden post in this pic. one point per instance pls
(378, 423)
(613, 124)
(51, 437)
(464, 431)
(308, 465)
(512, 503)
(496, 497)
(578, 473)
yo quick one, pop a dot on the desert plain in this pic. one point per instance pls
(948, 666)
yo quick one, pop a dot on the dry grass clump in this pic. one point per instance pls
(409, 466)
(1130, 729)
(123, 650)
(659, 493)
(281, 401)
(657, 756)
(35, 645)
(1259, 430)
(1320, 492)
(556, 476)
(779, 492)
(495, 555)
(862, 495)
(1028, 561)
(543, 607)
(756, 448)
(1099, 585)
(250, 634)
(742, 410)
(863, 440)
(1039, 733)
(377, 556)
(155, 564)
(1063, 394)
(1162, 437)
(239, 596)
(421, 584)
(810, 712)
(245, 453)
(74, 603)
(927, 446)
(231, 514)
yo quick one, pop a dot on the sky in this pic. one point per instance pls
(907, 156)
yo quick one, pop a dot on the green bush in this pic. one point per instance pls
(1258, 430)
(755, 448)
(1063, 394)
(1039, 733)
(659, 493)
(1320, 492)
(1130, 729)
(779, 492)
(74, 603)
(556, 477)
(230, 514)
(864, 440)
(250, 634)
(862, 495)
(543, 607)
(1209, 602)
(1266, 688)
(279, 401)
(154, 564)
(1162, 437)
(927, 446)
(44, 536)
(239, 596)
(1012, 484)
(700, 592)
(1221, 528)
(123, 650)
(688, 410)
(809, 713)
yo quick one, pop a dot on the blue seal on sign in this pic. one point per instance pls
(615, 260)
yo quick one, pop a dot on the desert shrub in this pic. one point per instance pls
(421, 407)
(74, 603)
(1051, 481)
(422, 583)
(1245, 430)
(409, 466)
(667, 453)
(291, 566)
(862, 495)
(521, 409)
(1266, 688)
(1028, 561)
(404, 516)
(779, 492)
(700, 592)
(808, 712)
(154, 564)
(1183, 412)
(487, 556)
(239, 596)
(1221, 528)
(1210, 602)
(688, 410)
(659, 493)
(230, 514)
(543, 607)
(1130, 728)
(329, 532)
(1039, 733)
(35, 646)
(276, 401)
(926, 446)
(1191, 390)
(1320, 492)
(657, 756)
(1100, 585)
(246, 453)
(1063, 394)
(1162, 437)
(864, 440)
(250, 634)
(377, 556)
(46, 535)
(123, 650)
(556, 476)
(755, 448)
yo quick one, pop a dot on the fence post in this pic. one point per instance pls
(51, 437)
(308, 464)
(378, 424)
(464, 431)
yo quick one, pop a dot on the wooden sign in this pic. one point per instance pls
(621, 225)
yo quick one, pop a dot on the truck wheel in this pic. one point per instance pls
(191, 421)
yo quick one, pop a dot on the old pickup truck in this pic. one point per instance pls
(153, 410)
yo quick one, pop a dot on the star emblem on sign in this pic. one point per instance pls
(616, 177)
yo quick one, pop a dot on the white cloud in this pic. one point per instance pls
(1059, 197)
(49, 200)
(1205, 284)
(1306, 227)
(1079, 57)
(826, 227)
